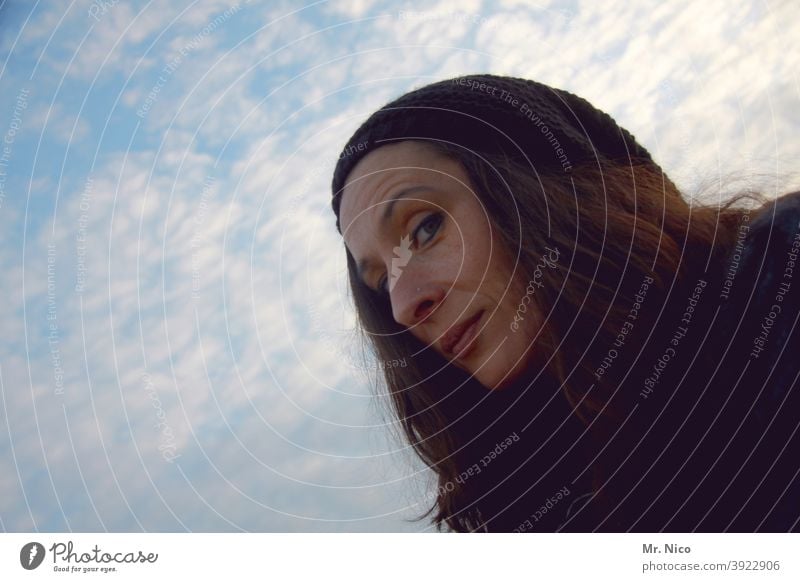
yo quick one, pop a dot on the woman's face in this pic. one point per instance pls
(421, 237)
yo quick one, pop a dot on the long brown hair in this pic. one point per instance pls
(615, 224)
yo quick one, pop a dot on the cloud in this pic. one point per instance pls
(197, 280)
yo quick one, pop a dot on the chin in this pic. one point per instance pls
(496, 379)
(496, 375)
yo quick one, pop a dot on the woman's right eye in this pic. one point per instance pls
(428, 227)
(382, 286)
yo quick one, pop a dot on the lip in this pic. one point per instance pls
(460, 336)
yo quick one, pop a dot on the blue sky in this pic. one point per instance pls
(179, 349)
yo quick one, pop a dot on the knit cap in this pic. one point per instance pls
(549, 129)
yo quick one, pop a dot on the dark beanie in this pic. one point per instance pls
(550, 129)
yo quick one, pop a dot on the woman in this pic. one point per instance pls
(586, 350)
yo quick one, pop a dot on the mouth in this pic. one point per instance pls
(460, 337)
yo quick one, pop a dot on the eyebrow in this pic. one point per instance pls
(363, 264)
(387, 214)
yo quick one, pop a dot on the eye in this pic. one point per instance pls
(382, 289)
(428, 227)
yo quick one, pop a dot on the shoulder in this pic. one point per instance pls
(781, 208)
(766, 254)
(776, 223)
(761, 315)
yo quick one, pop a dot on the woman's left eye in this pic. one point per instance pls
(428, 227)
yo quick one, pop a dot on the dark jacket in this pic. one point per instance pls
(713, 444)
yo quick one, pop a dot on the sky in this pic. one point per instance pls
(179, 350)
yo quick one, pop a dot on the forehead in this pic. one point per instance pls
(371, 180)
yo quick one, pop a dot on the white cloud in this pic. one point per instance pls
(250, 371)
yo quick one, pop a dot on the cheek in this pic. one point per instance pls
(479, 248)
(491, 261)
(450, 263)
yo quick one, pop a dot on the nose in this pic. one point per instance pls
(414, 299)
